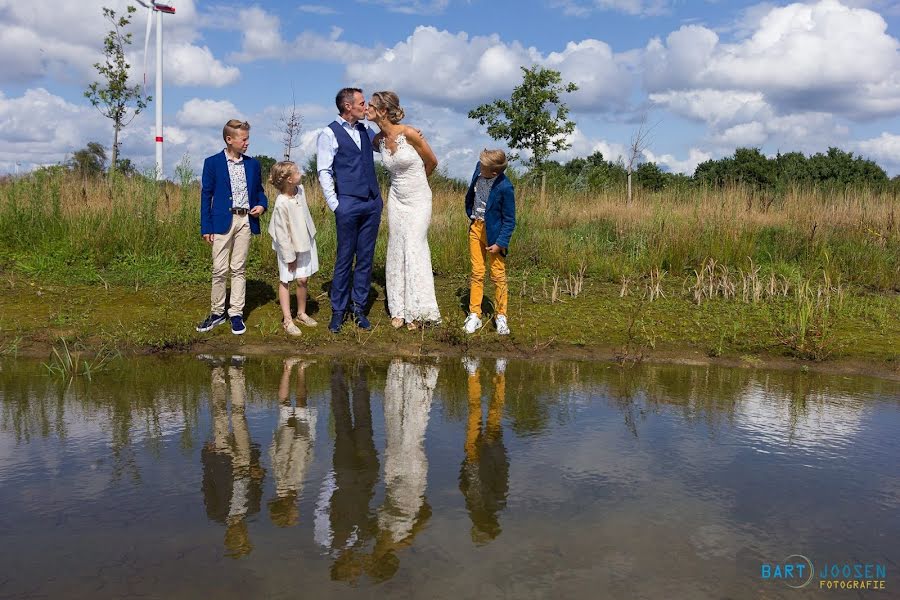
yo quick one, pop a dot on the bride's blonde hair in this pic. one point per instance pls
(389, 103)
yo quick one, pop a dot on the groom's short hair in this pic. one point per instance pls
(345, 96)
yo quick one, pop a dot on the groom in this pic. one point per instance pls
(347, 174)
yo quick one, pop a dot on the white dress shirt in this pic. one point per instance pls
(326, 149)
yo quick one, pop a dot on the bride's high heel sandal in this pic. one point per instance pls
(397, 322)
(412, 326)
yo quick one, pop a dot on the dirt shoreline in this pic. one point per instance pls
(598, 325)
(554, 352)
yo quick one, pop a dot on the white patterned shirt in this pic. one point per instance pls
(483, 187)
(238, 176)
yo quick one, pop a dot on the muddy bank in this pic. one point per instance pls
(861, 337)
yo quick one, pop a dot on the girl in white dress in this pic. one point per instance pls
(409, 281)
(294, 241)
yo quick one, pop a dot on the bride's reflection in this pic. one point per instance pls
(292, 445)
(344, 523)
(407, 404)
(232, 475)
(484, 476)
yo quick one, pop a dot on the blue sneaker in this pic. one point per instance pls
(210, 322)
(237, 325)
(361, 320)
(337, 319)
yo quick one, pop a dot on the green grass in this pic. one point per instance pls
(121, 260)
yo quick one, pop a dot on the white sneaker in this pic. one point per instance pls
(472, 324)
(470, 364)
(500, 367)
(502, 325)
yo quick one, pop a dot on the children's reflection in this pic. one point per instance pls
(484, 476)
(232, 475)
(292, 445)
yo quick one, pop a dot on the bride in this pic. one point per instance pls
(409, 281)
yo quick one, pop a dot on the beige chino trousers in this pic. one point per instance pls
(230, 250)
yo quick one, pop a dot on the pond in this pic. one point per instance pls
(239, 477)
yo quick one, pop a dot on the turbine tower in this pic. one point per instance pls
(158, 8)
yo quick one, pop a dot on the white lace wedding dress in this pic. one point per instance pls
(408, 276)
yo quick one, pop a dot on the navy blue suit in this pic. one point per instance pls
(357, 218)
(215, 193)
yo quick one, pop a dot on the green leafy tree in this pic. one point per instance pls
(112, 96)
(534, 118)
(265, 165)
(89, 161)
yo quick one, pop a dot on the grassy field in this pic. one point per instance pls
(808, 274)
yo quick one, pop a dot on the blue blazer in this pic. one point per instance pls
(500, 212)
(215, 193)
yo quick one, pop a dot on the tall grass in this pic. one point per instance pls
(135, 231)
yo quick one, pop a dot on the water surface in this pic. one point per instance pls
(227, 477)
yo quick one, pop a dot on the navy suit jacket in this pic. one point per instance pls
(215, 193)
(500, 212)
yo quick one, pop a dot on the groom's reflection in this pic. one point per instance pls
(292, 445)
(232, 475)
(408, 395)
(484, 476)
(348, 491)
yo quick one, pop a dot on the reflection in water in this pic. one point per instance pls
(655, 481)
(484, 476)
(292, 446)
(407, 404)
(232, 475)
(349, 488)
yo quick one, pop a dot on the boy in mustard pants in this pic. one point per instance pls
(491, 208)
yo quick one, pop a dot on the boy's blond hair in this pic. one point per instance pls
(280, 172)
(495, 159)
(231, 128)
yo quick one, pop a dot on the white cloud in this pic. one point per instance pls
(412, 7)
(190, 65)
(714, 107)
(317, 9)
(820, 56)
(686, 166)
(884, 149)
(206, 113)
(574, 8)
(447, 69)
(262, 39)
(40, 39)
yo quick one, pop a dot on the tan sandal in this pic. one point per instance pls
(305, 319)
(397, 322)
(291, 329)
(412, 325)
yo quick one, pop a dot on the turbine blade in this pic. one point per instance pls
(147, 40)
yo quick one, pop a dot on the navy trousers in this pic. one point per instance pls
(357, 223)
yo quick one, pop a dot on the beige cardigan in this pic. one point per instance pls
(292, 228)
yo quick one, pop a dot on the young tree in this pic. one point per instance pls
(534, 118)
(112, 96)
(291, 123)
(639, 142)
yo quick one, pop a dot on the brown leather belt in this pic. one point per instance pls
(241, 212)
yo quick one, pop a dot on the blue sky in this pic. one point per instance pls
(712, 75)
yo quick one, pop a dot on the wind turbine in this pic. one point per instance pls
(158, 8)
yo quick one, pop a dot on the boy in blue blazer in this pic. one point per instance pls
(491, 208)
(231, 201)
